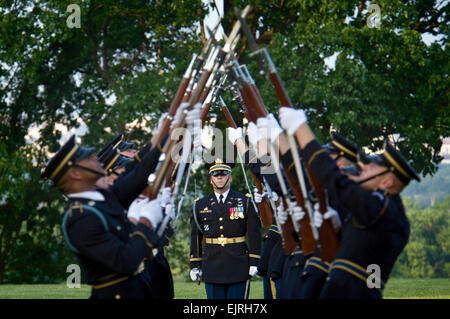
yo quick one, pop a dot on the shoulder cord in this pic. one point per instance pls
(64, 226)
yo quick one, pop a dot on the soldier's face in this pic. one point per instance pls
(90, 162)
(221, 181)
(367, 171)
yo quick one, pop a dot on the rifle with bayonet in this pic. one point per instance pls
(166, 165)
(254, 109)
(329, 242)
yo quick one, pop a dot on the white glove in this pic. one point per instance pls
(253, 270)
(297, 214)
(195, 274)
(234, 134)
(152, 210)
(268, 127)
(275, 197)
(282, 214)
(330, 214)
(194, 114)
(318, 219)
(165, 194)
(170, 211)
(253, 135)
(160, 122)
(178, 114)
(291, 119)
(134, 209)
(258, 197)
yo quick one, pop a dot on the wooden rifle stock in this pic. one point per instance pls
(329, 241)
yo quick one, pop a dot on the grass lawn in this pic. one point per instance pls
(396, 288)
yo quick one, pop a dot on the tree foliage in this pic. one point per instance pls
(426, 254)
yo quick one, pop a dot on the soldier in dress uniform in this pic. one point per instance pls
(110, 249)
(115, 159)
(315, 272)
(378, 230)
(219, 226)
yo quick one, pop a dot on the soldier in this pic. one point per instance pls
(313, 277)
(115, 164)
(222, 220)
(378, 230)
(110, 249)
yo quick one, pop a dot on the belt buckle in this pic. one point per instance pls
(222, 241)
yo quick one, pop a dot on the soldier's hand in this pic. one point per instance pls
(282, 214)
(268, 127)
(196, 274)
(152, 211)
(134, 209)
(178, 114)
(253, 270)
(318, 219)
(170, 211)
(194, 114)
(160, 122)
(165, 194)
(291, 119)
(331, 214)
(297, 214)
(259, 197)
(234, 134)
(253, 135)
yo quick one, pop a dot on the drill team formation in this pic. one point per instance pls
(317, 222)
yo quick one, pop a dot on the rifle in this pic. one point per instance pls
(265, 211)
(166, 166)
(255, 108)
(329, 242)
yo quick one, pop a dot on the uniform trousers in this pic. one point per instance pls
(227, 291)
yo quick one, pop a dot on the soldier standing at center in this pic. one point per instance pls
(222, 220)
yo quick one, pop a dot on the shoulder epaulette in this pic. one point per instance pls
(248, 195)
(197, 199)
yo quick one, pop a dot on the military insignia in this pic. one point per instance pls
(232, 213)
(218, 161)
(206, 227)
(206, 210)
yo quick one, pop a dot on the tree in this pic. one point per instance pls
(426, 255)
(385, 81)
(54, 77)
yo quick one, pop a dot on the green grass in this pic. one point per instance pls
(395, 288)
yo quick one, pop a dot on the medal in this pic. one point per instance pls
(232, 212)
(241, 212)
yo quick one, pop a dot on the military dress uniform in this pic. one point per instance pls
(111, 250)
(377, 231)
(218, 242)
(157, 269)
(270, 240)
(315, 271)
